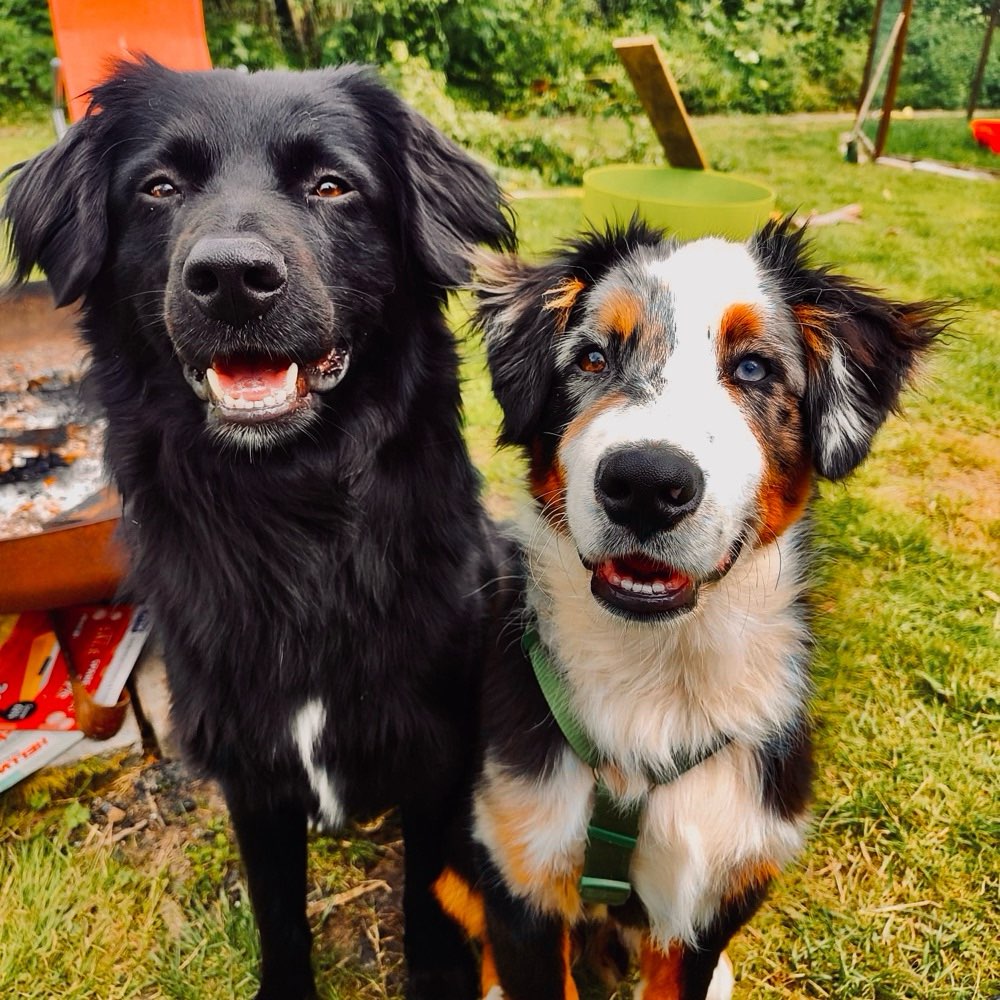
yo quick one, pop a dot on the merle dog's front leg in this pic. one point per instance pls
(439, 959)
(273, 845)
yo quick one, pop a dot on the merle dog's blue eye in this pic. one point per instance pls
(752, 369)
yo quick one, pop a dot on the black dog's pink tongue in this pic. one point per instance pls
(252, 380)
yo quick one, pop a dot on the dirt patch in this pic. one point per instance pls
(162, 819)
(957, 491)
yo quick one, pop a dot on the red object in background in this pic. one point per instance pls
(986, 131)
(89, 34)
(35, 688)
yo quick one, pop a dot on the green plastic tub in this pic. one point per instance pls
(689, 203)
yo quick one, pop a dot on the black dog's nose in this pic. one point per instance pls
(233, 279)
(648, 489)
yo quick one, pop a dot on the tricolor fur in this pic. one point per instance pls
(676, 403)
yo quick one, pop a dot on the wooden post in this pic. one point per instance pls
(647, 68)
(890, 87)
(977, 79)
(870, 58)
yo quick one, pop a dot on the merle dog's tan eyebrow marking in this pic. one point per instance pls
(741, 323)
(620, 311)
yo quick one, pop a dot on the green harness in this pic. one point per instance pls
(614, 827)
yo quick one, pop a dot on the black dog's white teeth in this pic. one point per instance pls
(195, 378)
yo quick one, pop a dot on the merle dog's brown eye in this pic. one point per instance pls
(330, 187)
(592, 360)
(161, 188)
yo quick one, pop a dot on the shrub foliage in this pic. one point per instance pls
(519, 56)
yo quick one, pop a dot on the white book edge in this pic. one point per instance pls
(14, 767)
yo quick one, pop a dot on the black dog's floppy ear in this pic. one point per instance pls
(523, 307)
(56, 207)
(861, 349)
(455, 204)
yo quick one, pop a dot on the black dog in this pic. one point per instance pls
(263, 262)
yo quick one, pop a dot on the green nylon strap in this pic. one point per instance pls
(613, 832)
(557, 696)
(614, 828)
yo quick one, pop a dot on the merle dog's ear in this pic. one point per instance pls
(523, 307)
(455, 204)
(520, 308)
(860, 348)
(57, 210)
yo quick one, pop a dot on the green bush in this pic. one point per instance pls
(942, 49)
(520, 56)
(512, 149)
(26, 51)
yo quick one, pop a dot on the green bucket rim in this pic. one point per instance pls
(764, 196)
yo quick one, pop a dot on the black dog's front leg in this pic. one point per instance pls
(273, 846)
(439, 960)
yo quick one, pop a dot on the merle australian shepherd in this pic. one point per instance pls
(263, 261)
(676, 403)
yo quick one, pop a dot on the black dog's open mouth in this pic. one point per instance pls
(641, 587)
(254, 389)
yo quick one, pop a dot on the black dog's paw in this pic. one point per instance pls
(450, 984)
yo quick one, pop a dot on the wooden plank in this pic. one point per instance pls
(653, 82)
(984, 55)
(889, 102)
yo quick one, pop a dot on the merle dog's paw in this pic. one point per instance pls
(451, 984)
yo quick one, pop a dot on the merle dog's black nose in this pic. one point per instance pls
(233, 279)
(648, 489)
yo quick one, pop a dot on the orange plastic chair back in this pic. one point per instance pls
(89, 34)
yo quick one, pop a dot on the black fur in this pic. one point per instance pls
(343, 564)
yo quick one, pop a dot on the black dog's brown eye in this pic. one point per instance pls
(161, 188)
(592, 360)
(330, 187)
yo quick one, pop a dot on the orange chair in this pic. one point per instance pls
(89, 34)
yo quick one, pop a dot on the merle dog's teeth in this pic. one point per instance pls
(291, 377)
(615, 580)
(659, 588)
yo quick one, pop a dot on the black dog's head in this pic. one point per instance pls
(250, 232)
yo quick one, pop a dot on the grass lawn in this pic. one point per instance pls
(940, 138)
(896, 895)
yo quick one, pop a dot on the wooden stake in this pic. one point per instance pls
(647, 68)
(890, 88)
(984, 55)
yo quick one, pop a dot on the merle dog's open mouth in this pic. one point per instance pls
(256, 389)
(641, 587)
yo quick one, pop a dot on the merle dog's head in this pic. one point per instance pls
(677, 400)
(250, 232)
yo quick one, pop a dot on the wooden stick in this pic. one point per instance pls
(647, 68)
(984, 55)
(890, 88)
